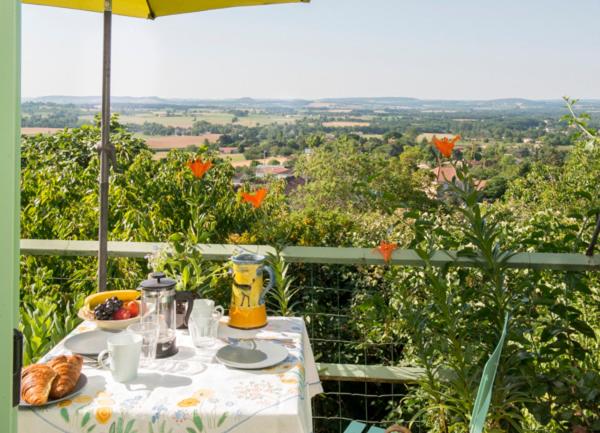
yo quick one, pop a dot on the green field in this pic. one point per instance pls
(214, 117)
(176, 121)
(234, 157)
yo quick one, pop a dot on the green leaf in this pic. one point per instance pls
(198, 422)
(64, 413)
(222, 419)
(584, 328)
(191, 430)
(112, 428)
(120, 425)
(129, 425)
(584, 194)
(85, 419)
(593, 212)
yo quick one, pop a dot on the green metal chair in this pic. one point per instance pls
(359, 427)
(482, 401)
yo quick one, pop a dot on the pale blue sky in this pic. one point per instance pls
(448, 49)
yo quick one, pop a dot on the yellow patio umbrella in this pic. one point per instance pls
(149, 9)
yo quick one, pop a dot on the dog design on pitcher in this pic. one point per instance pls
(244, 290)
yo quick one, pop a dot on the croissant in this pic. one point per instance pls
(68, 369)
(36, 382)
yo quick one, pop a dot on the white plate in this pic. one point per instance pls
(252, 354)
(89, 343)
(81, 382)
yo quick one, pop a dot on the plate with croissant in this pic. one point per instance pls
(57, 380)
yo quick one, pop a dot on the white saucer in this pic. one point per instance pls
(252, 354)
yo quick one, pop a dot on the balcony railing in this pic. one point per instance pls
(343, 378)
(325, 255)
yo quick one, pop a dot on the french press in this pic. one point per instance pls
(159, 307)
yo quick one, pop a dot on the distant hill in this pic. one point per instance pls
(155, 100)
(373, 103)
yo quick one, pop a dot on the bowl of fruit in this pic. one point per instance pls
(113, 310)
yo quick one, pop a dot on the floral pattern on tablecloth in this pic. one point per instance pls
(193, 394)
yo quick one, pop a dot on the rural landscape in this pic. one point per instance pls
(485, 178)
(266, 137)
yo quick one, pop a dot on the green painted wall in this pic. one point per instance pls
(10, 95)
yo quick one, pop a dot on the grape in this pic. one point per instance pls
(105, 310)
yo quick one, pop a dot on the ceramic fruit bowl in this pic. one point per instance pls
(108, 325)
(113, 310)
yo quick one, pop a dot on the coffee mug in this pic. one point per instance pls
(124, 352)
(206, 308)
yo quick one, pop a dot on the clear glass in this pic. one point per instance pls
(203, 330)
(149, 333)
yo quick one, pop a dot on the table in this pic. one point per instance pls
(192, 393)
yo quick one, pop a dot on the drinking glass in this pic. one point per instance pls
(149, 333)
(203, 330)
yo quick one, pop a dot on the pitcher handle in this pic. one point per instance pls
(187, 297)
(271, 282)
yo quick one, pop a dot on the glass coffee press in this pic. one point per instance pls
(159, 307)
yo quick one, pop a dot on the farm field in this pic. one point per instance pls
(429, 135)
(214, 117)
(175, 121)
(178, 141)
(344, 124)
(252, 119)
(36, 130)
(234, 157)
(266, 119)
(246, 162)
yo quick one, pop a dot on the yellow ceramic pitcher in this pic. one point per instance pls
(248, 310)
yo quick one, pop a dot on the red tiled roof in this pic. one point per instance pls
(448, 172)
(444, 174)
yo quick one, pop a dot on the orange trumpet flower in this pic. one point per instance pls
(386, 249)
(256, 198)
(199, 168)
(445, 145)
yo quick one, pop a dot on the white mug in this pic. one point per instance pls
(124, 352)
(206, 308)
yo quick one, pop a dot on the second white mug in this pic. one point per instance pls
(206, 308)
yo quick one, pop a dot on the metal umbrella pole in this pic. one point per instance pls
(106, 151)
(140, 9)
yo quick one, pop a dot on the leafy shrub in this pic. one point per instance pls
(451, 320)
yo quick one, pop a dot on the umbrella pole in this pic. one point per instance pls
(105, 150)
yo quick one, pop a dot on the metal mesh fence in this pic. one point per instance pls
(328, 302)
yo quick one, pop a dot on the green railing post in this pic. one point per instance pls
(10, 120)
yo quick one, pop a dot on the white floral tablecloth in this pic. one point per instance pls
(192, 393)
